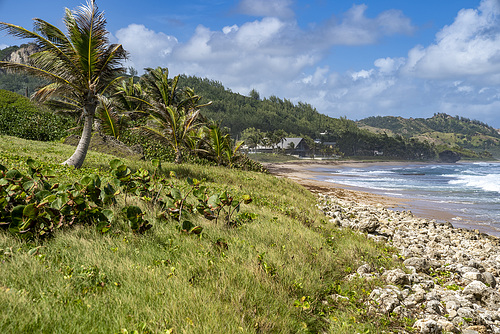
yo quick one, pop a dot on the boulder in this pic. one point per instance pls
(449, 156)
(420, 264)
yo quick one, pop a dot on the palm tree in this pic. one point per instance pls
(172, 126)
(80, 65)
(129, 96)
(174, 114)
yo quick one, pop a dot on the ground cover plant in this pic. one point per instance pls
(274, 270)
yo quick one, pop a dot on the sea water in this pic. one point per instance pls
(468, 191)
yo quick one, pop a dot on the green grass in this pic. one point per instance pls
(272, 275)
(272, 158)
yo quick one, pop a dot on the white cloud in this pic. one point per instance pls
(3, 46)
(226, 30)
(259, 33)
(469, 47)
(318, 78)
(357, 29)
(146, 47)
(270, 8)
(198, 47)
(389, 65)
(363, 74)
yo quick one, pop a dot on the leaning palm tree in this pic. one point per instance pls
(80, 65)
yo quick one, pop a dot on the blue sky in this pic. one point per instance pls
(347, 58)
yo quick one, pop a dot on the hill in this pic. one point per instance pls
(21, 117)
(442, 130)
(270, 273)
(238, 112)
(18, 83)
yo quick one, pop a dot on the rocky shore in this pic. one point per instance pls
(450, 279)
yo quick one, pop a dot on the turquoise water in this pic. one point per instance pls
(469, 191)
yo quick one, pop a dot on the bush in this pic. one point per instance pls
(152, 149)
(20, 117)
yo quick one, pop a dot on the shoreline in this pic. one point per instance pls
(307, 174)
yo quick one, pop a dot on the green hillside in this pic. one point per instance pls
(442, 130)
(21, 117)
(269, 273)
(239, 112)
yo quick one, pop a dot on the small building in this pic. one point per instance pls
(294, 146)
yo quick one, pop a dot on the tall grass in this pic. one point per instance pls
(275, 274)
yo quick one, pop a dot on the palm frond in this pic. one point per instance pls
(108, 66)
(17, 67)
(110, 120)
(45, 44)
(153, 133)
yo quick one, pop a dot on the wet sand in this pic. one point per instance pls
(309, 174)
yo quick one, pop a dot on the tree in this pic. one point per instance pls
(255, 95)
(80, 65)
(173, 112)
(252, 137)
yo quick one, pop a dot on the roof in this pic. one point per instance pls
(285, 143)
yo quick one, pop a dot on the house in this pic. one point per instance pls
(294, 146)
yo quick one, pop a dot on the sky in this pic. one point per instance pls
(353, 59)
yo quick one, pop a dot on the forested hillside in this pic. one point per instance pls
(238, 112)
(442, 130)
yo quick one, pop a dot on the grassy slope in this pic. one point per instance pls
(273, 277)
(423, 130)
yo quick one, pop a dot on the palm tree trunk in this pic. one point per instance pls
(78, 157)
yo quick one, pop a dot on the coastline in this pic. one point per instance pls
(309, 175)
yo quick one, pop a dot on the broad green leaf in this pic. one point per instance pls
(49, 173)
(187, 225)
(108, 214)
(13, 174)
(86, 180)
(32, 163)
(247, 199)
(17, 216)
(30, 211)
(133, 212)
(115, 163)
(176, 194)
(28, 185)
(60, 201)
(213, 201)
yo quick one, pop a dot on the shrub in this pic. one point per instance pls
(21, 118)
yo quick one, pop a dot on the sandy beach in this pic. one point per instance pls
(308, 174)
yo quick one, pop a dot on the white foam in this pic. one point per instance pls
(489, 182)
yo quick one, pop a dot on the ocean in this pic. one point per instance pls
(468, 192)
